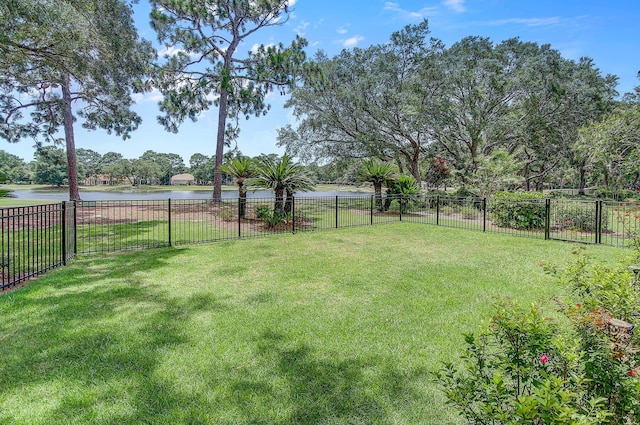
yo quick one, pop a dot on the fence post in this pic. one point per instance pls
(239, 218)
(75, 228)
(400, 200)
(599, 216)
(371, 209)
(336, 211)
(437, 210)
(169, 207)
(484, 214)
(547, 219)
(293, 214)
(64, 232)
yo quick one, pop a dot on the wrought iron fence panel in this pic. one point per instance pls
(37, 238)
(103, 226)
(622, 222)
(524, 218)
(31, 242)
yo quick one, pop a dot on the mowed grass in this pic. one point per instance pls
(337, 327)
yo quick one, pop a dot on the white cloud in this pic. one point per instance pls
(408, 15)
(352, 41)
(153, 96)
(341, 30)
(300, 28)
(170, 51)
(528, 22)
(254, 48)
(456, 5)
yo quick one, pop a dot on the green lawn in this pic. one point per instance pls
(337, 327)
(11, 202)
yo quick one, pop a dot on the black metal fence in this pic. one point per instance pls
(38, 238)
(35, 239)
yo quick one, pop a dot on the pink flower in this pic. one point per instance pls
(544, 359)
(633, 372)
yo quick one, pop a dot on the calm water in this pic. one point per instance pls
(88, 195)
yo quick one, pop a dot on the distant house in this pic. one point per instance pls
(104, 180)
(182, 179)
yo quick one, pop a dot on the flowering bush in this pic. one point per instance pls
(525, 368)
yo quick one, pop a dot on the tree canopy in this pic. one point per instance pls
(208, 69)
(62, 55)
(413, 99)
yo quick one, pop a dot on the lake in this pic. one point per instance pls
(89, 195)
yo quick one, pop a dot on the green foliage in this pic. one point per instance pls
(12, 168)
(387, 93)
(241, 168)
(239, 80)
(525, 368)
(262, 211)
(378, 173)
(50, 166)
(6, 193)
(521, 369)
(270, 219)
(580, 218)
(465, 192)
(518, 210)
(604, 192)
(280, 175)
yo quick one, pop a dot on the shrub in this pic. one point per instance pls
(262, 211)
(226, 215)
(604, 192)
(448, 210)
(521, 369)
(581, 218)
(518, 210)
(271, 220)
(464, 192)
(6, 193)
(470, 213)
(525, 368)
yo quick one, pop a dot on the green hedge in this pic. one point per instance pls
(6, 193)
(518, 210)
(582, 218)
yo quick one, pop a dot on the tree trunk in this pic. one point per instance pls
(583, 180)
(527, 179)
(288, 203)
(278, 208)
(415, 171)
(387, 200)
(72, 168)
(377, 189)
(222, 123)
(242, 195)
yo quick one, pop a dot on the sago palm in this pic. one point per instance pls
(377, 173)
(241, 168)
(281, 175)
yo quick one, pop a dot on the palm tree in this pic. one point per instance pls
(378, 173)
(280, 176)
(241, 168)
(404, 187)
(297, 183)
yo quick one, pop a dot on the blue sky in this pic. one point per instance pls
(607, 31)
